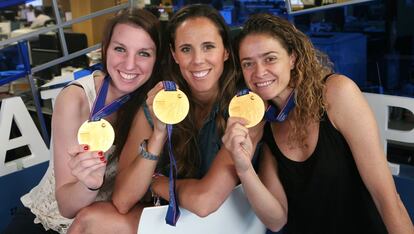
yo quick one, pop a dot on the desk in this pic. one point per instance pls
(21, 31)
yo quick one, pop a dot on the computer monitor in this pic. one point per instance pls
(9, 15)
(42, 56)
(76, 42)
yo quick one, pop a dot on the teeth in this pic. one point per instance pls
(200, 74)
(127, 76)
(264, 84)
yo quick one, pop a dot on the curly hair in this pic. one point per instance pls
(185, 133)
(308, 75)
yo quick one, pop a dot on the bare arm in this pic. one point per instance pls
(264, 192)
(352, 116)
(134, 171)
(76, 169)
(204, 196)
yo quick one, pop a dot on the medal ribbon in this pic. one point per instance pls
(173, 212)
(272, 113)
(99, 110)
(243, 92)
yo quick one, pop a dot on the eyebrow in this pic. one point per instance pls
(184, 45)
(204, 43)
(261, 55)
(121, 44)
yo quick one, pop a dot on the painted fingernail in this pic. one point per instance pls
(102, 159)
(86, 147)
(100, 153)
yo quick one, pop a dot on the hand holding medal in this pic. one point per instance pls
(96, 132)
(247, 105)
(171, 106)
(237, 139)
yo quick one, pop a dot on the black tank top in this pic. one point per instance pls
(325, 193)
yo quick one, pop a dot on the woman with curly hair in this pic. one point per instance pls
(323, 169)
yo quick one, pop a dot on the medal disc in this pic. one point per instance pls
(99, 135)
(171, 107)
(249, 106)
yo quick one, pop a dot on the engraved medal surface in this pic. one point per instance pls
(171, 107)
(248, 106)
(99, 135)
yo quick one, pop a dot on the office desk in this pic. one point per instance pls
(21, 31)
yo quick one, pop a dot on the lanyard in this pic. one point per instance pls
(274, 115)
(173, 212)
(99, 110)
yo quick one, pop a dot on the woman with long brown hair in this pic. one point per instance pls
(323, 169)
(202, 65)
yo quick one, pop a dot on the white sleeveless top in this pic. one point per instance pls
(41, 199)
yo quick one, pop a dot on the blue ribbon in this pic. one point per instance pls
(173, 212)
(243, 92)
(99, 110)
(273, 114)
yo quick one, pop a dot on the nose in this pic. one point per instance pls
(198, 57)
(130, 61)
(260, 70)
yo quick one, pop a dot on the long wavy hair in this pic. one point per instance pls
(308, 75)
(185, 133)
(149, 23)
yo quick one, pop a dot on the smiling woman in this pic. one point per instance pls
(66, 200)
(323, 169)
(202, 64)
(130, 61)
(200, 54)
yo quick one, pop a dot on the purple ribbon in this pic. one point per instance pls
(173, 212)
(243, 92)
(99, 110)
(273, 114)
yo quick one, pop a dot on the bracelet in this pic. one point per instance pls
(155, 198)
(96, 189)
(144, 153)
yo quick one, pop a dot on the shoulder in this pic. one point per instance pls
(339, 89)
(343, 98)
(337, 84)
(76, 97)
(72, 98)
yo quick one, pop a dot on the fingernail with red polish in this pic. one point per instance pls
(102, 159)
(100, 153)
(86, 147)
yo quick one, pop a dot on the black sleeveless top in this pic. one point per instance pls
(325, 193)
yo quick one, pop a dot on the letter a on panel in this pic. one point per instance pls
(14, 108)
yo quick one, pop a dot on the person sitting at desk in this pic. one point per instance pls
(40, 19)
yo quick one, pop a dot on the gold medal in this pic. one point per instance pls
(171, 107)
(99, 135)
(249, 106)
